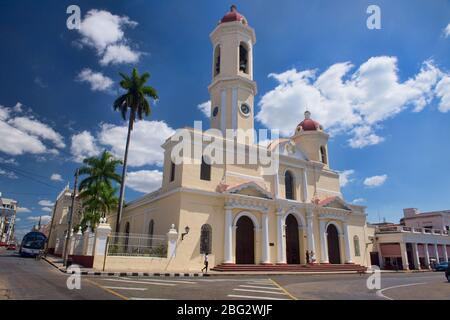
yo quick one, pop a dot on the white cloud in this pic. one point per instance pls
(104, 31)
(8, 174)
(144, 180)
(443, 92)
(18, 107)
(83, 145)
(97, 80)
(46, 203)
(46, 209)
(447, 31)
(375, 181)
(344, 177)
(39, 129)
(8, 161)
(145, 145)
(44, 219)
(205, 107)
(16, 142)
(348, 103)
(358, 200)
(56, 177)
(116, 54)
(23, 209)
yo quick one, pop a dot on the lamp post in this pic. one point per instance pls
(69, 227)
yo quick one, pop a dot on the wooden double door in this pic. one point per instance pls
(245, 241)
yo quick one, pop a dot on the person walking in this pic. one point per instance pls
(307, 257)
(205, 263)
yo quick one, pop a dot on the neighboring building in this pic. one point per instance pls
(240, 213)
(418, 242)
(57, 227)
(8, 210)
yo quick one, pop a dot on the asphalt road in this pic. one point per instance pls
(24, 278)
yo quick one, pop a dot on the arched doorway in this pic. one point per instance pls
(245, 241)
(292, 240)
(334, 254)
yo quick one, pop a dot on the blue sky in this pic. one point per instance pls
(66, 80)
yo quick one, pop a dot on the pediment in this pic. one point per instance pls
(250, 189)
(334, 203)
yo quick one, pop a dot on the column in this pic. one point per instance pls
(445, 252)
(404, 256)
(305, 186)
(348, 255)
(265, 239)
(281, 243)
(416, 256)
(228, 242)
(427, 256)
(323, 243)
(436, 252)
(380, 256)
(172, 238)
(310, 231)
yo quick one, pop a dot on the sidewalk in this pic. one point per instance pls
(57, 262)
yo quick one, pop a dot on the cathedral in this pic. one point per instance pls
(242, 213)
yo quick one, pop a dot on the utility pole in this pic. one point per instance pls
(69, 218)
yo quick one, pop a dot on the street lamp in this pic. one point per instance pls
(185, 233)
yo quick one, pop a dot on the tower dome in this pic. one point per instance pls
(308, 124)
(233, 15)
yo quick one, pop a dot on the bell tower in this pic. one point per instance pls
(232, 89)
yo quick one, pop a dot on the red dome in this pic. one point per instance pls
(233, 15)
(309, 125)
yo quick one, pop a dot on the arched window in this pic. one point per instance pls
(217, 61)
(243, 57)
(127, 235)
(289, 185)
(205, 239)
(323, 154)
(205, 170)
(172, 171)
(356, 244)
(151, 227)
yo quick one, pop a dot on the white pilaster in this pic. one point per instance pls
(281, 240)
(427, 256)
(310, 231)
(404, 256)
(436, 252)
(172, 239)
(445, 253)
(305, 186)
(228, 253)
(323, 242)
(348, 256)
(265, 238)
(416, 256)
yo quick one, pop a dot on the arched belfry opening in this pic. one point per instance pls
(289, 185)
(323, 155)
(217, 60)
(243, 57)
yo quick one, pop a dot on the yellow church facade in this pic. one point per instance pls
(288, 212)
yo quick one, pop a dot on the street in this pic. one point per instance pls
(26, 278)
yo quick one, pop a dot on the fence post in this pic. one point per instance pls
(100, 245)
(78, 246)
(172, 237)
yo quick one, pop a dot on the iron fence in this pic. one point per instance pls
(122, 244)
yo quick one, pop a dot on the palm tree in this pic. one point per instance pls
(98, 200)
(135, 99)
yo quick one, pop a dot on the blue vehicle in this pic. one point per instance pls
(32, 244)
(441, 266)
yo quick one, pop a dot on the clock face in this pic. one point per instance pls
(215, 111)
(245, 109)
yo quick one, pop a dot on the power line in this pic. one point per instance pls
(29, 175)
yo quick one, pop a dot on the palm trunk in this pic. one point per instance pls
(124, 172)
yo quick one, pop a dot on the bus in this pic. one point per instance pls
(32, 244)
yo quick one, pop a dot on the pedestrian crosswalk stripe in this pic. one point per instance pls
(141, 282)
(126, 288)
(261, 291)
(253, 297)
(259, 287)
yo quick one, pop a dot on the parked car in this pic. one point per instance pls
(447, 273)
(11, 246)
(443, 266)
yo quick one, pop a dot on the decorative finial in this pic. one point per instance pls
(233, 8)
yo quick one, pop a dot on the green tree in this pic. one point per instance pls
(133, 103)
